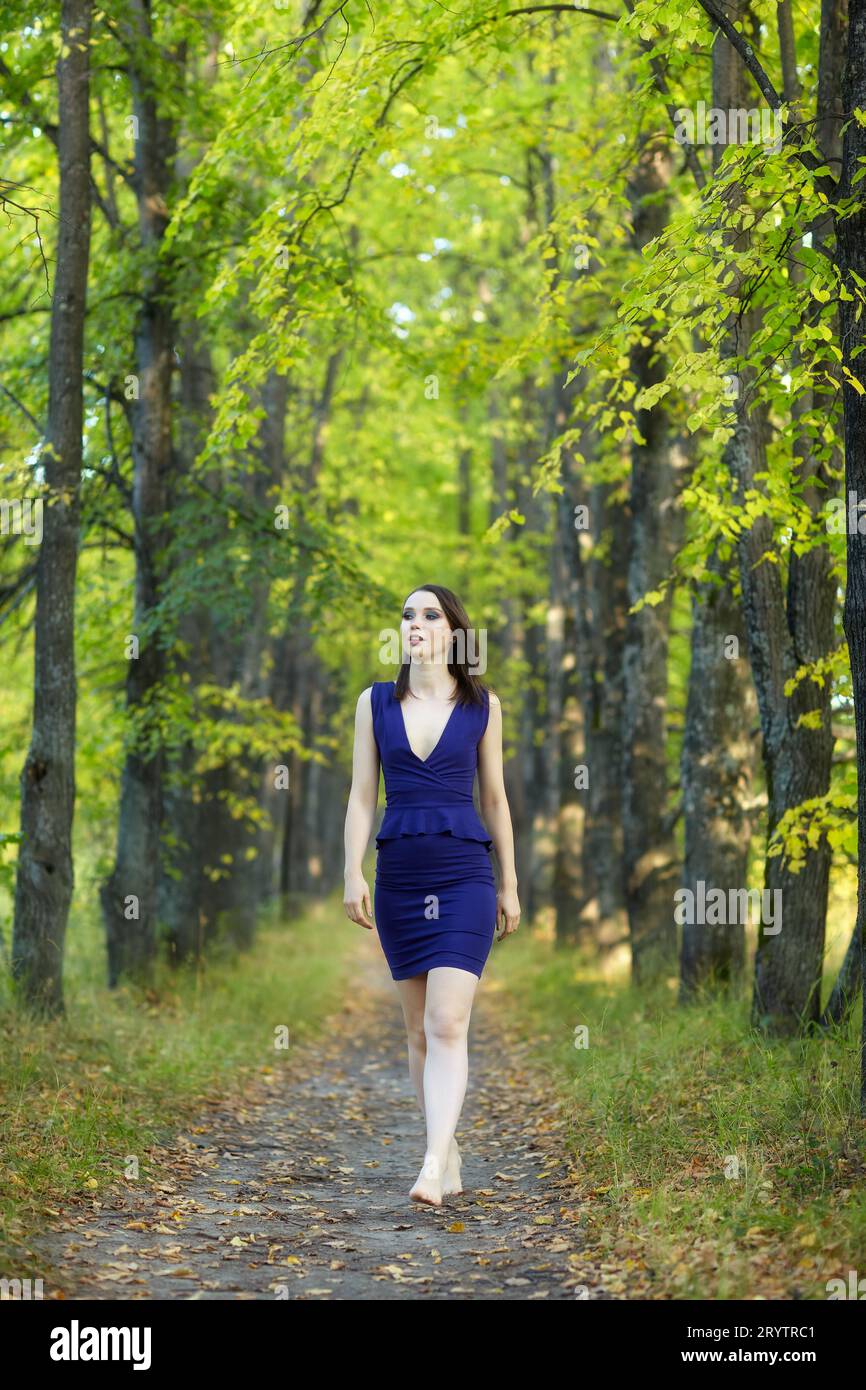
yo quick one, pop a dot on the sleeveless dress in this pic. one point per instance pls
(434, 899)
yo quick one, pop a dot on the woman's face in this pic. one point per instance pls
(424, 629)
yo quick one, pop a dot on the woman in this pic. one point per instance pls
(436, 902)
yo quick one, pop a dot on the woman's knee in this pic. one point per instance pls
(446, 1024)
(416, 1034)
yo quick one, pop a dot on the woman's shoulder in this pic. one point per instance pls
(371, 693)
(368, 694)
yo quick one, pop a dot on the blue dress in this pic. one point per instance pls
(435, 895)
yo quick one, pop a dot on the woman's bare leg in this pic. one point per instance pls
(450, 994)
(413, 999)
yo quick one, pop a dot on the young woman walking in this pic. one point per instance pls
(436, 903)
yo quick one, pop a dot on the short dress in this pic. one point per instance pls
(435, 894)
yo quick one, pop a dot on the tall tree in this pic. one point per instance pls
(851, 261)
(786, 630)
(718, 753)
(650, 856)
(129, 894)
(45, 870)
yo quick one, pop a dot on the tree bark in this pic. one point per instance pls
(129, 895)
(716, 767)
(718, 756)
(784, 632)
(650, 854)
(851, 261)
(570, 735)
(849, 982)
(45, 873)
(180, 884)
(232, 847)
(604, 607)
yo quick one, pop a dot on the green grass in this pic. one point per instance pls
(126, 1066)
(708, 1162)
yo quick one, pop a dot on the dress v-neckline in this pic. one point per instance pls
(437, 744)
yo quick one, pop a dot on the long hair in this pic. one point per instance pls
(470, 688)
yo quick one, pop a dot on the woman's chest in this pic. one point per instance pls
(425, 723)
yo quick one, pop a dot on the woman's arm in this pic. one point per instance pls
(361, 812)
(497, 817)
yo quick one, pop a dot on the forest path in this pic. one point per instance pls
(299, 1189)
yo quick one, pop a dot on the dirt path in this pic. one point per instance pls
(300, 1189)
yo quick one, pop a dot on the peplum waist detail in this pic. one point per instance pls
(462, 821)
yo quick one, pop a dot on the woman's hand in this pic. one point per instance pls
(507, 912)
(356, 901)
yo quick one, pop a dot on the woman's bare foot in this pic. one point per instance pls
(452, 1183)
(428, 1188)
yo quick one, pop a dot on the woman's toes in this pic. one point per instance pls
(428, 1187)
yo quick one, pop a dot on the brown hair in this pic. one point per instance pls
(470, 688)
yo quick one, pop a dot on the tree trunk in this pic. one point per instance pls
(851, 261)
(569, 746)
(233, 847)
(129, 895)
(718, 756)
(604, 607)
(849, 982)
(783, 633)
(650, 853)
(180, 884)
(503, 496)
(44, 882)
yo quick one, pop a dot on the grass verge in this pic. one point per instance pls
(707, 1161)
(84, 1094)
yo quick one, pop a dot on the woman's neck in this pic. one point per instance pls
(431, 681)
